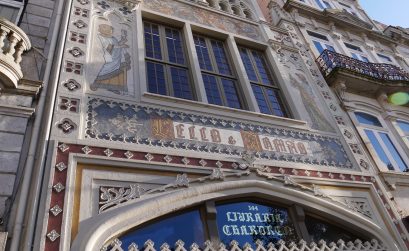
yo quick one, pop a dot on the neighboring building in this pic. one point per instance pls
(366, 64)
(181, 121)
(26, 42)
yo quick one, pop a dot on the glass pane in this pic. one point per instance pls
(175, 49)
(262, 68)
(379, 150)
(318, 46)
(212, 91)
(367, 119)
(186, 226)
(275, 102)
(221, 58)
(249, 221)
(180, 82)
(404, 126)
(320, 4)
(384, 58)
(392, 150)
(365, 59)
(202, 53)
(261, 100)
(330, 48)
(355, 56)
(156, 78)
(230, 92)
(152, 41)
(321, 230)
(327, 5)
(248, 65)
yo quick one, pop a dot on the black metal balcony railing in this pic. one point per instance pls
(330, 62)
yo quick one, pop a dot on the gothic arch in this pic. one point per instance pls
(94, 232)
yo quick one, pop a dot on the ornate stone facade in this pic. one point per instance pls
(142, 124)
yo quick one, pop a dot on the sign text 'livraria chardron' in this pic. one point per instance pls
(254, 223)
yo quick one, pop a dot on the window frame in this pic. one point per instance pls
(376, 130)
(14, 4)
(220, 76)
(360, 54)
(167, 64)
(274, 85)
(382, 56)
(323, 42)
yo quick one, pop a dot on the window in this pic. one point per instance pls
(11, 9)
(242, 221)
(320, 42)
(381, 142)
(166, 64)
(321, 230)
(218, 77)
(323, 4)
(384, 59)
(348, 9)
(356, 52)
(265, 91)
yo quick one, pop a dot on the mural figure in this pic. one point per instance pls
(113, 73)
(317, 119)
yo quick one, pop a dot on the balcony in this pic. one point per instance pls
(13, 42)
(360, 77)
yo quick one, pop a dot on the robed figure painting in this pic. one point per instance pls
(113, 74)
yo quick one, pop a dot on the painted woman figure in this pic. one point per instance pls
(113, 74)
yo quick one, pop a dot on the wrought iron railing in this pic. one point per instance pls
(374, 245)
(330, 62)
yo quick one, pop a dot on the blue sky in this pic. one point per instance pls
(391, 12)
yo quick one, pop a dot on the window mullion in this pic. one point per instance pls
(244, 86)
(386, 150)
(193, 61)
(211, 221)
(221, 91)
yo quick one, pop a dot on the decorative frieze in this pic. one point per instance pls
(113, 121)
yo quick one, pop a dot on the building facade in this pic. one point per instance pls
(209, 125)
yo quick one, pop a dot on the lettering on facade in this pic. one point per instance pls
(162, 128)
(249, 140)
(254, 223)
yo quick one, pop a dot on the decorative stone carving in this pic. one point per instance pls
(13, 42)
(302, 245)
(67, 126)
(53, 235)
(71, 85)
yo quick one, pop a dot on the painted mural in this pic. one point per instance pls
(316, 118)
(109, 65)
(134, 124)
(202, 16)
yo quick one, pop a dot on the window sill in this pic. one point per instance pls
(221, 111)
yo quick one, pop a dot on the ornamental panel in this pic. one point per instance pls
(134, 124)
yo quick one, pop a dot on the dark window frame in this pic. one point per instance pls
(215, 71)
(261, 84)
(165, 60)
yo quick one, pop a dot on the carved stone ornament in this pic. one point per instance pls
(56, 210)
(67, 126)
(58, 187)
(53, 235)
(234, 245)
(71, 85)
